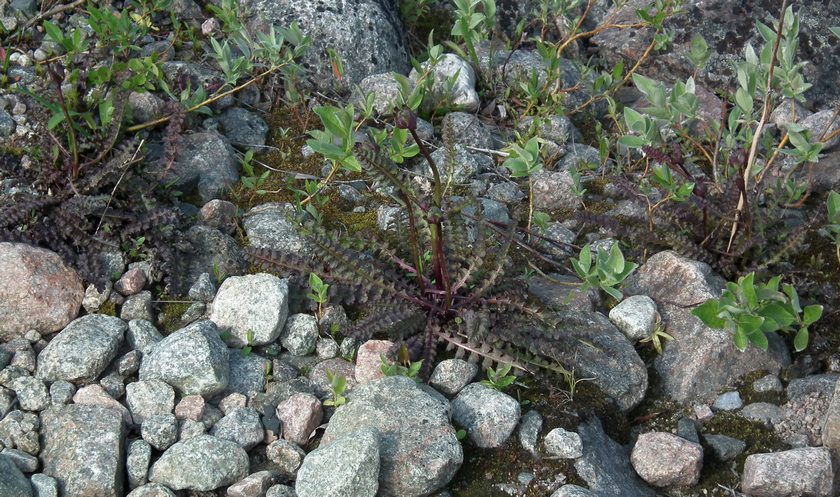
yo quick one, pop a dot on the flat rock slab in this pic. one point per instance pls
(84, 450)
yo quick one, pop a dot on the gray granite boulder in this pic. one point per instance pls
(700, 361)
(137, 462)
(346, 467)
(241, 426)
(488, 415)
(82, 350)
(99, 434)
(553, 191)
(563, 444)
(255, 303)
(243, 128)
(212, 252)
(149, 397)
(419, 452)
(803, 471)
(300, 334)
(452, 375)
(270, 226)
(142, 335)
(367, 36)
(194, 360)
(635, 316)
(204, 163)
(37, 291)
(200, 463)
(247, 373)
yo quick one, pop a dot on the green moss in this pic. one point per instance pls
(109, 308)
(169, 318)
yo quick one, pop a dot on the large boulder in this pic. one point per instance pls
(366, 35)
(256, 303)
(37, 291)
(419, 452)
(700, 361)
(200, 463)
(727, 27)
(349, 466)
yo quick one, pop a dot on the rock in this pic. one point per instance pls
(635, 316)
(31, 393)
(367, 37)
(255, 303)
(44, 486)
(200, 463)
(232, 402)
(204, 290)
(286, 456)
(137, 462)
(142, 335)
(369, 359)
(193, 360)
(204, 164)
(300, 334)
(553, 190)
(823, 384)
(452, 375)
(488, 415)
(243, 128)
(82, 350)
(7, 124)
(96, 432)
(152, 490)
(326, 348)
(462, 169)
(242, 426)
(763, 412)
(37, 291)
(348, 466)
(529, 429)
(605, 465)
(467, 130)
(247, 373)
(131, 282)
(803, 471)
(700, 361)
(12, 481)
(213, 252)
(129, 364)
(145, 106)
(723, 447)
(461, 95)
(336, 367)
(728, 401)
(558, 292)
(19, 429)
(831, 425)
(768, 383)
(414, 432)
(563, 444)
(727, 27)
(301, 414)
(137, 306)
(160, 430)
(820, 124)
(190, 407)
(687, 429)
(270, 226)
(557, 130)
(254, 485)
(281, 491)
(579, 158)
(665, 460)
(24, 462)
(149, 397)
(386, 91)
(507, 192)
(572, 491)
(596, 349)
(95, 395)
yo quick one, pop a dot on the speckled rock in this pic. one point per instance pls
(529, 429)
(200, 463)
(563, 444)
(255, 303)
(460, 96)
(37, 291)
(488, 415)
(149, 397)
(12, 480)
(151, 490)
(348, 466)
(160, 430)
(635, 316)
(804, 471)
(286, 456)
(244, 128)
(663, 459)
(137, 462)
(269, 226)
(31, 393)
(95, 431)
(369, 359)
(82, 350)
(193, 360)
(300, 334)
(301, 414)
(242, 426)
(451, 375)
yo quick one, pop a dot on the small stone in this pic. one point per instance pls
(190, 429)
(369, 359)
(114, 384)
(728, 401)
(151, 490)
(95, 395)
(61, 392)
(803, 471)
(687, 429)
(203, 290)
(563, 444)
(137, 306)
(488, 415)
(287, 457)
(160, 430)
(253, 485)
(147, 398)
(663, 459)
(451, 375)
(702, 412)
(764, 412)
(300, 334)
(326, 348)
(130, 283)
(190, 407)
(210, 27)
(232, 402)
(137, 462)
(25, 462)
(769, 383)
(142, 335)
(300, 414)
(31, 393)
(635, 316)
(529, 429)
(241, 426)
(12, 480)
(44, 486)
(281, 491)
(200, 463)
(724, 448)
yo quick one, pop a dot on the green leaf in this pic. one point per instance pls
(616, 260)
(631, 141)
(612, 292)
(812, 313)
(833, 204)
(708, 313)
(748, 288)
(744, 100)
(54, 32)
(55, 120)
(585, 258)
(759, 340)
(800, 341)
(740, 340)
(750, 323)
(644, 84)
(635, 121)
(777, 317)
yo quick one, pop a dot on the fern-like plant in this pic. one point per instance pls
(458, 296)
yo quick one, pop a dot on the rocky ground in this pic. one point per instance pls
(129, 390)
